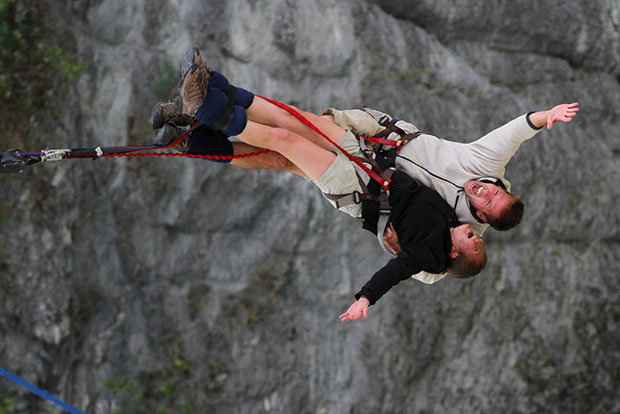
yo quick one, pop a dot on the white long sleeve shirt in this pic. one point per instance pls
(446, 166)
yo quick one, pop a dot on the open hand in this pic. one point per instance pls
(563, 113)
(355, 311)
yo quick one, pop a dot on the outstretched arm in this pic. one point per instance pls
(489, 155)
(559, 113)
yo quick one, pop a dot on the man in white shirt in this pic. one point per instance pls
(469, 176)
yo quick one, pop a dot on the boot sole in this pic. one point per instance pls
(158, 119)
(189, 59)
(166, 135)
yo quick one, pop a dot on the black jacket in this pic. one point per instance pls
(422, 220)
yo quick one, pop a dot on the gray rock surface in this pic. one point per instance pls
(187, 280)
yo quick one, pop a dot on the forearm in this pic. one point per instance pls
(386, 278)
(538, 119)
(489, 155)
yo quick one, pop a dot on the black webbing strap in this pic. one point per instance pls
(343, 200)
(390, 126)
(228, 112)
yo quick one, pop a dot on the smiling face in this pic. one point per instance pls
(489, 200)
(468, 255)
(465, 241)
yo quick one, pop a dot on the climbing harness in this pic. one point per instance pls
(385, 209)
(381, 176)
(388, 150)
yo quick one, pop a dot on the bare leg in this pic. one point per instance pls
(266, 113)
(306, 155)
(269, 161)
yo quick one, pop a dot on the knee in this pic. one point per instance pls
(276, 161)
(282, 136)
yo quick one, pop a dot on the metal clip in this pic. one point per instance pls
(54, 154)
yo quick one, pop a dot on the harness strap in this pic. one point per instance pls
(380, 118)
(343, 200)
(390, 126)
(382, 224)
(380, 138)
(223, 121)
(385, 211)
(356, 197)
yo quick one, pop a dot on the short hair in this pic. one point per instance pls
(467, 265)
(510, 217)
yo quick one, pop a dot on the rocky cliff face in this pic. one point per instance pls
(135, 285)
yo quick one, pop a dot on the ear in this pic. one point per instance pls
(453, 253)
(481, 215)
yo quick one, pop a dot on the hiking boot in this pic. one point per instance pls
(193, 86)
(163, 113)
(193, 89)
(191, 57)
(170, 133)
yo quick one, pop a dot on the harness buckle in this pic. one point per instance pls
(356, 197)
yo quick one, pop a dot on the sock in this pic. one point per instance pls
(205, 141)
(218, 113)
(244, 97)
(212, 107)
(237, 123)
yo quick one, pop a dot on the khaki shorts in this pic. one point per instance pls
(341, 177)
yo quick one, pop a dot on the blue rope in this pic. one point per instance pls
(38, 391)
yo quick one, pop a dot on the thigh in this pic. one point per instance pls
(267, 113)
(307, 156)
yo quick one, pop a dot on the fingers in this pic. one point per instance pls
(571, 111)
(354, 313)
(349, 317)
(562, 113)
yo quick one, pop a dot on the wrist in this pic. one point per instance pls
(536, 120)
(364, 300)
